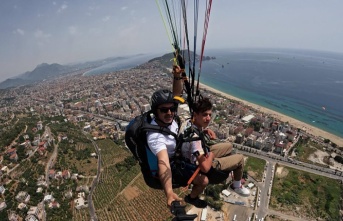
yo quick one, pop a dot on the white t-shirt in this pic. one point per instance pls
(157, 141)
(189, 149)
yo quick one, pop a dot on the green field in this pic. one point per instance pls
(255, 167)
(306, 194)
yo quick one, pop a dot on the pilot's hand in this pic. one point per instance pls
(172, 197)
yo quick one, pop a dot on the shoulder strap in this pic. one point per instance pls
(148, 127)
(189, 136)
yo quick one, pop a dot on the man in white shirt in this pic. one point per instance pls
(163, 146)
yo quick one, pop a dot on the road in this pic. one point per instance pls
(94, 183)
(265, 186)
(328, 172)
(52, 158)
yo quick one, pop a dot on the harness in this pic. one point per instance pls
(177, 161)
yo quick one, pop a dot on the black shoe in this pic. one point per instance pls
(197, 202)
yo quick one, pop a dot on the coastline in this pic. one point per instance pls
(296, 123)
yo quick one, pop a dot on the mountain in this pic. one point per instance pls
(43, 71)
(166, 58)
(13, 82)
(46, 71)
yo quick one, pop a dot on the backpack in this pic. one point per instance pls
(136, 141)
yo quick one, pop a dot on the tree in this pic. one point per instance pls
(338, 159)
(326, 141)
(256, 125)
(21, 153)
(3, 215)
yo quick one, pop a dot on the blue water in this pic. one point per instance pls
(121, 64)
(296, 83)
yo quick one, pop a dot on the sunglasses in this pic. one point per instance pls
(166, 109)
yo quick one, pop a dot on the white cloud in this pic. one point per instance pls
(62, 8)
(123, 8)
(54, 3)
(20, 31)
(105, 19)
(41, 35)
(72, 30)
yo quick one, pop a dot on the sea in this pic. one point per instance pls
(122, 64)
(303, 84)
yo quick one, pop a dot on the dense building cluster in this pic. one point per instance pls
(106, 103)
(124, 94)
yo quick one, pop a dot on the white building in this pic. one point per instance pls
(39, 190)
(31, 218)
(34, 210)
(251, 185)
(3, 205)
(2, 189)
(21, 206)
(145, 107)
(4, 169)
(48, 198)
(23, 196)
(248, 118)
(203, 214)
(80, 201)
(87, 128)
(226, 193)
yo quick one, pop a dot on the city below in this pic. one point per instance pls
(57, 162)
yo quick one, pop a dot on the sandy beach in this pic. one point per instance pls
(296, 123)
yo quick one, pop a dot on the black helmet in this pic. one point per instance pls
(161, 97)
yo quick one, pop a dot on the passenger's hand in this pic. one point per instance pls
(172, 197)
(211, 134)
(177, 71)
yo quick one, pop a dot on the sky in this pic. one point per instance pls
(43, 31)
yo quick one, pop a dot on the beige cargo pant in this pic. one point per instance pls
(225, 162)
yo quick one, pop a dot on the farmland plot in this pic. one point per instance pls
(123, 195)
(146, 205)
(82, 214)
